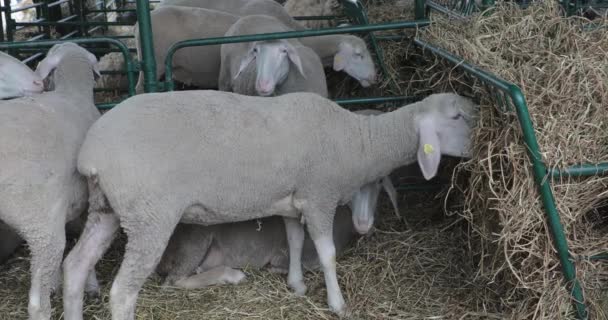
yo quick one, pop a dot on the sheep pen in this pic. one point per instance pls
(479, 248)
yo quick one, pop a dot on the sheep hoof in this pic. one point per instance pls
(298, 287)
(338, 307)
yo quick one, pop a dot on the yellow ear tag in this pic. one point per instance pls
(428, 149)
(337, 59)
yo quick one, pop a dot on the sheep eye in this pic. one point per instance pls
(456, 117)
(255, 50)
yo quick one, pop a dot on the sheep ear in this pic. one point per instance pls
(47, 65)
(392, 193)
(339, 61)
(428, 153)
(293, 55)
(247, 59)
(95, 65)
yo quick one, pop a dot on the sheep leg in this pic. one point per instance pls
(187, 258)
(295, 239)
(92, 285)
(144, 249)
(217, 275)
(46, 247)
(79, 266)
(320, 226)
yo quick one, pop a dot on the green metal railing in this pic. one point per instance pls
(44, 44)
(509, 92)
(169, 85)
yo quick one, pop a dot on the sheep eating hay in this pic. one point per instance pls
(240, 157)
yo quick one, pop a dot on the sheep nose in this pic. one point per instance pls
(265, 87)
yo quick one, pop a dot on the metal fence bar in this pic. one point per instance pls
(169, 85)
(47, 43)
(581, 170)
(147, 47)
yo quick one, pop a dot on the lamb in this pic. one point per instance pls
(198, 66)
(215, 250)
(239, 157)
(346, 53)
(17, 79)
(272, 73)
(42, 190)
(241, 8)
(313, 8)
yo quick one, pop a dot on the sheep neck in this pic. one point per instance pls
(74, 75)
(325, 46)
(393, 140)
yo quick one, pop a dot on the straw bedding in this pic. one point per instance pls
(479, 249)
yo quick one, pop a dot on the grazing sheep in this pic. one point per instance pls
(272, 73)
(239, 158)
(198, 66)
(213, 251)
(17, 79)
(241, 8)
(313, 8)
(40, 137)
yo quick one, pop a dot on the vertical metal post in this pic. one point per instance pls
(148, 63)
(542, 181)
(419, 9)
(3, 18)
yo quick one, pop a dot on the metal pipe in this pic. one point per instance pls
(581, 170)
(277, 35)
(47, 43)
(147, 47)
(375, 100)
(420, 9)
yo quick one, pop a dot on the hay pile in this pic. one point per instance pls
(563, 71)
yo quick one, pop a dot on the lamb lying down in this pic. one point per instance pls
(198, 256)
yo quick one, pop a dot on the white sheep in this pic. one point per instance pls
(42, 190)
(27, 15)
(241, 8)
(346, 53)
(113, 61)
(209, 157)
(198, 66)
(272, 72)
(313, 8)
(214, 251)
(17, 79)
